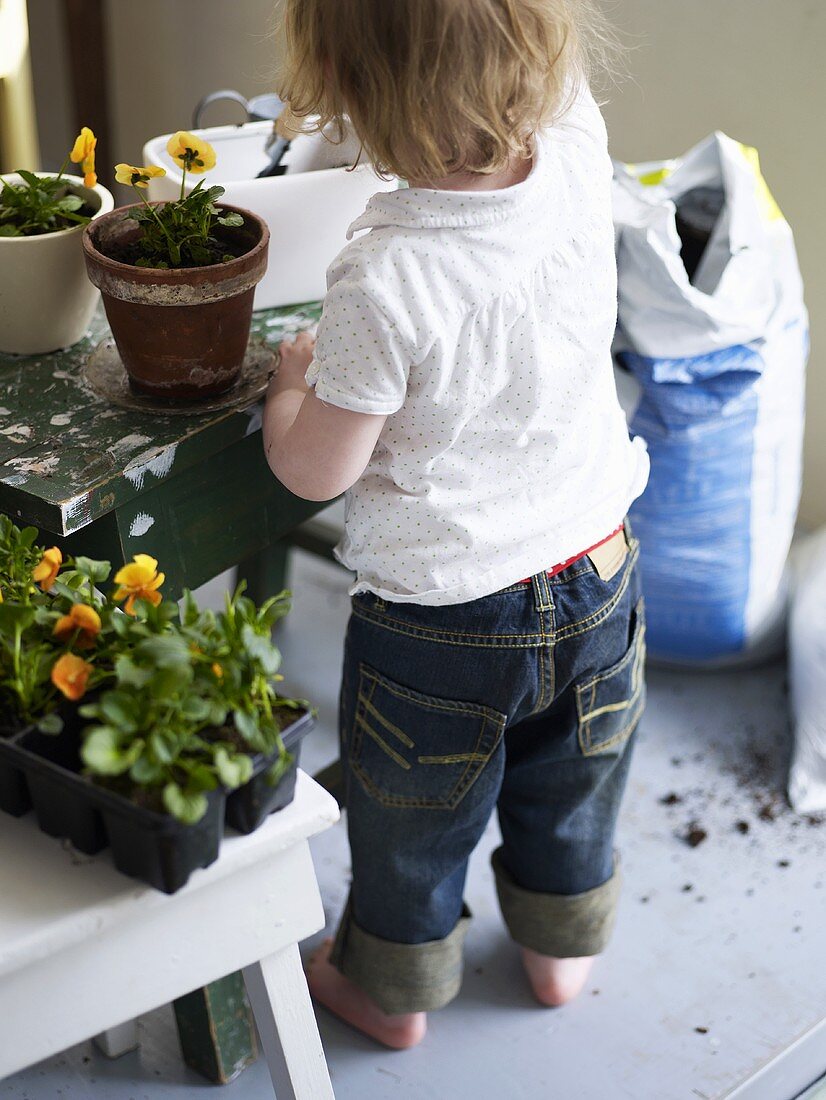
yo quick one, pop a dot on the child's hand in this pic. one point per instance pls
(296, 356)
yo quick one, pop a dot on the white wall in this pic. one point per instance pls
(165, 56)
(755, 69)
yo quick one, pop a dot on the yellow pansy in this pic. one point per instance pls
(70, 675)
(191, 152)
(138, 177)
(83, 153)
(81, 619)
(139, 580)
(45, 572)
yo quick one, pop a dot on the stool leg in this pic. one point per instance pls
(287, 1027)
(118, 1040)
(266, 571)
(216, 1029)
(215, 1024)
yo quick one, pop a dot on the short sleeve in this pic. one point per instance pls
(361, 361)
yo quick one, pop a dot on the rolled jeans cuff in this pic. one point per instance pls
(401, 977)
(561, 925)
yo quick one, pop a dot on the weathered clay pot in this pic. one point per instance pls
(46, 302)
(181, 332)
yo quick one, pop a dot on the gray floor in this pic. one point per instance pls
(716, 967)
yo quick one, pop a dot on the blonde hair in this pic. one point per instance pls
(433, 87)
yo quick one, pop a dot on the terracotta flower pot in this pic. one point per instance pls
(180, 332)
(46, 302)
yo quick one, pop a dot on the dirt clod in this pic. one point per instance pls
(742, 827)
(701, 1030)
(695, 835)
(784, 863)
(671, 799)
(688, 888)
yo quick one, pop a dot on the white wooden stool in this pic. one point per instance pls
(84, 950)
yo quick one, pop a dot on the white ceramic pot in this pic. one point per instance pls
(46, 299)
(308, 210)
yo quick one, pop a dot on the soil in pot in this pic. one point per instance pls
(58, 791)
(250, 805)
(181, 333)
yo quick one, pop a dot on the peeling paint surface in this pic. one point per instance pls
(42, 467)
(18, 433)
(256, 417)
(68, 456)
(154, 462)
(141, 524)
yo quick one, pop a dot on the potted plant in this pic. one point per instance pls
(46, 301)
(178, 279)
(126, 722)
(42, 634)
(236, 653)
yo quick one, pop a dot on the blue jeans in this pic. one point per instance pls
(524, 701)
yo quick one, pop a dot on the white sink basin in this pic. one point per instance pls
(308, 210)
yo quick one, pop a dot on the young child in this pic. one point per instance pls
(461, 392)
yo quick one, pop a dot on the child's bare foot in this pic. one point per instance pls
(351, 1004)
(555, 981)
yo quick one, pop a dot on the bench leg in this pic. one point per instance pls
(266, 571)
(118, 1040)
(287, 1027)
(216, 1029)
(215, 1023)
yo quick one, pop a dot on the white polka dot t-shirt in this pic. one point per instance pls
(480, 325)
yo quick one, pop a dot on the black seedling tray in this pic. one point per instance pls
(249, 806)
(44, 771)
(155, 847)
(147, 845)
(61, 796)
(14, 791)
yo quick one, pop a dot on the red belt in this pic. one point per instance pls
(564, 565)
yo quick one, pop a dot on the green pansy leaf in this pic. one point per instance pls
(116, 708)
(261, 649)
(233, 769)
(246, 725)
(145, 772)
(277, 771)
(95, 571)
(103, 754)
(187, 806)
(15, 616)
(51, 724)
(162, 746)
(127, 672)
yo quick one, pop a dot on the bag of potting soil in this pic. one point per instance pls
(713, 340)
(807, 676)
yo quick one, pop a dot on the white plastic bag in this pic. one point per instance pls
(717, 359)
(807, 677)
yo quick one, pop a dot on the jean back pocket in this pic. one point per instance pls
(610, 705)
(419, 751)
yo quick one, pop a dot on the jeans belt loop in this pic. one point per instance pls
(543, 600)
